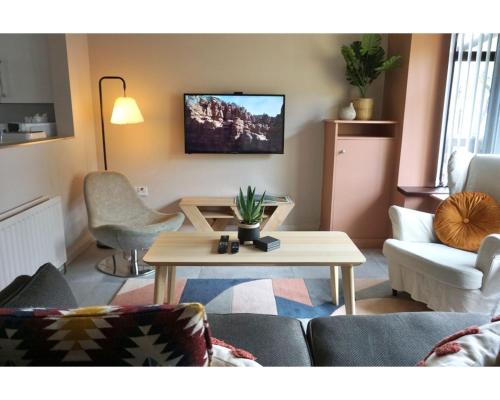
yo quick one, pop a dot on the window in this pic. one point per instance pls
(471, 112)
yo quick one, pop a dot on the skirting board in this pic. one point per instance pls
(79, 246)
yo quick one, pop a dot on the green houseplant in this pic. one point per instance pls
(251, 211)
(365, 61)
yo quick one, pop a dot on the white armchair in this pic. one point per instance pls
(445, 278)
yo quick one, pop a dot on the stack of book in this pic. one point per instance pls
(267, 243)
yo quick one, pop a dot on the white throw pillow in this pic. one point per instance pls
(481, 349)
(458, 165)
(223, 357)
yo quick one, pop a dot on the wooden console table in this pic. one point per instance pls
(208, 214)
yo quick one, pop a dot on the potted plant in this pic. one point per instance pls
(251, 211)
(365, 61)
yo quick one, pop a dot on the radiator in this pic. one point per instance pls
(30, 236)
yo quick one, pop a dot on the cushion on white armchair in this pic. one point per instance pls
(411, 225)
(458, 164)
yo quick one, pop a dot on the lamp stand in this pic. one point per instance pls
(103, 132)
(102, 116)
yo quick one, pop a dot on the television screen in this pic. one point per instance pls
(234, 123)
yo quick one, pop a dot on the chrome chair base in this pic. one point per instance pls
(125, 265)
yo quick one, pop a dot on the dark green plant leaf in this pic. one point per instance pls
(365, 60)
(250, 209)
(370, 43)
(390, 63)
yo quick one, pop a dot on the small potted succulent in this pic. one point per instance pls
(251, 211)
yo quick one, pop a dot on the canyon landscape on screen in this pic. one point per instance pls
(234, 123)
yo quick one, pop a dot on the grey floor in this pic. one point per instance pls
(92, 287)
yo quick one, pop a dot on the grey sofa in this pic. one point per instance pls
(377, 340)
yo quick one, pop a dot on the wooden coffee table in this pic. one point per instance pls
(329, 249)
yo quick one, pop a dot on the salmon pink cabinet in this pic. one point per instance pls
(359, 170)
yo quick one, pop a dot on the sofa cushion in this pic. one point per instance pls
(46, 288)
(155, 335)
(464, 219)
(226, 355)
(273, 339)
(445, 264)
(400, 339)
(471, 347)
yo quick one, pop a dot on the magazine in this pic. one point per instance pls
(271, 198)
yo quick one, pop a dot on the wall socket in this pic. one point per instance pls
(142, 190)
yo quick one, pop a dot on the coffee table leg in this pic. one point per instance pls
(171, 284)
(349, 291)
(334, 283)
(160, 278)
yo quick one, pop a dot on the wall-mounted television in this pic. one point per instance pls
(234, 123)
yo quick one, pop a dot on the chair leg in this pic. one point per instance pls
(394, 292)
(127, 264)
(134, 264)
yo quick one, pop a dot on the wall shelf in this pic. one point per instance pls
(373, 128)
(356, 122)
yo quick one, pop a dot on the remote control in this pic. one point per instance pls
(235, 247)
(223, 244)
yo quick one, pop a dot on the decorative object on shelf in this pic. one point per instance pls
(125, 111)
(364, 108)
(251, 211)
(365, 60)
(348, 113)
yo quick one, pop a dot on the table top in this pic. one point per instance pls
(222, 201)
(318, 248)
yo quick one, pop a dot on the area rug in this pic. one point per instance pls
(297, 298)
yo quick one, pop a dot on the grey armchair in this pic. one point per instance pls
(119, 219)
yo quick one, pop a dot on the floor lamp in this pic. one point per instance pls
(125, 111)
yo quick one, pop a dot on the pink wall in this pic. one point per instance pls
(414, 95)
(423, 109)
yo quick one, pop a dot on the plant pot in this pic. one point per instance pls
(364, 108)
(248, 233)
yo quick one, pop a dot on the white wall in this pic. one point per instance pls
(57, 167)
(308, 69)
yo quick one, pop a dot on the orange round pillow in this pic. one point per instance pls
(464, 219)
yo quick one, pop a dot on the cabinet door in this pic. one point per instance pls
(24, 69)
(364, 176)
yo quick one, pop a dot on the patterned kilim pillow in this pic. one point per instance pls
(156, 335)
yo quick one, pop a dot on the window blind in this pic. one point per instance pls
(471, 68)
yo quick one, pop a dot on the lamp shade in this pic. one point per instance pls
(126, 111)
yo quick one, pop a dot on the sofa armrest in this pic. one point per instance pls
(46, 288)
(488, 262)
(11, 290)
(411, 225)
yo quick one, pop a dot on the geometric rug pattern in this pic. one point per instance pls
(297, 298)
